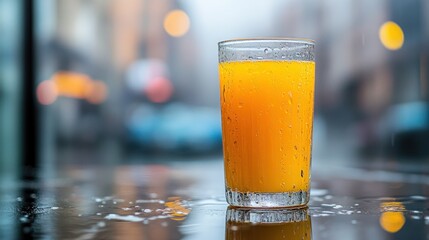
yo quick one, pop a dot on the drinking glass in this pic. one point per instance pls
(266, 96)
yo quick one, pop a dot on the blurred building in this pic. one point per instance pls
(144, 73)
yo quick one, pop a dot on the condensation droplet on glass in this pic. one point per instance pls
(223, 93)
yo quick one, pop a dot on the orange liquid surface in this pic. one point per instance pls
(267, 119)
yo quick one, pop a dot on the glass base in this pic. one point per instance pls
(267, 200)
(260, 215)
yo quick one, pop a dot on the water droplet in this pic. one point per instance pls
(294, 186)
(302, 173)
(24, 219)
(19, 199)
(33, 196)
(290, 126)
(54, 208)
(240, 105)
(164, 224)
(296, 147)
(250, 57)
(223, 93)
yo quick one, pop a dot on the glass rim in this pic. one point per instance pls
(267, 40)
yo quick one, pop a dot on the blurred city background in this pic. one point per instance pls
(116, 81)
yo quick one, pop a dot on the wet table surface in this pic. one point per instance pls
(185, 200)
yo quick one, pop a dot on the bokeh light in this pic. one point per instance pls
(159, 90)
(392, 218)
(72, 85)
(97, 92)
(391, 35)
(47, 92)
(176, 23)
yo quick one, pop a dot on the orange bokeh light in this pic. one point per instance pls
(73, 85)
(70, 84)
(392, 217)
(176, 23)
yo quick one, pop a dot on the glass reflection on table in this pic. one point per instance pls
(243, 223)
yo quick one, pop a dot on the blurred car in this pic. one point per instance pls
(174, 128)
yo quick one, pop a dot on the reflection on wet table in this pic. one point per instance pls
(184, 200)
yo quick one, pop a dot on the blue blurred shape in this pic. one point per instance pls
(174, 128)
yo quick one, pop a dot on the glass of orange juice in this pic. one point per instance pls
(267, 95)
(268, 224)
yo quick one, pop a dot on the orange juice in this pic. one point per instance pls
(267, 116)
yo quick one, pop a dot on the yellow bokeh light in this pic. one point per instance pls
(176, 23)
(392, 219)
(391, 35)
